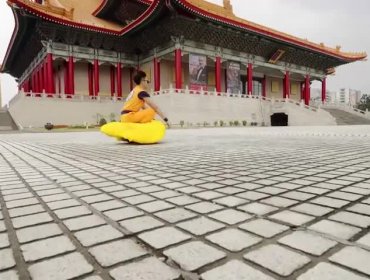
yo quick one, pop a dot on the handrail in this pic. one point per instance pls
(77, 97)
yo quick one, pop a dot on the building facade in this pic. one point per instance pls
(92, 48)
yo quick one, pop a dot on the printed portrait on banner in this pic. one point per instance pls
(198, 72)
(233, 77)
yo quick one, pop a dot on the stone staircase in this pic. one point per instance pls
(345, 118)
(6, 121)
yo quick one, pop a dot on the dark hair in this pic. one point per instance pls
(139, 76)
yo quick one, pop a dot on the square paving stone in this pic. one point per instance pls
(264, 228)
(108, 205)
(235, 270)
(97, 235)
(312, 209)
(252, 195)
(21, 202)
(365, 240)
(38, 232)
(308, 242)
(279, 201)
(329, 272)
(9, 275)
(351, 218)
(292, 218)
(277, 259)
(63, 204)
(123, 213)
(331, 202)
(183, 200)
(2, 226)
(46, 248)
(7, 259)
(115, 252)
(258, 208)
(194, 255)
(230, 201)
(200, 226)
(360, 208)
(27, 210)
(140, 224)
(64, 267)
(208, 195)
(344, 195)
(230, 216)
(155, 237)
(353, 258)
(83, 222)
(204, 207)
(155, 206)
(72, 212)
(233, 240)
(29, 220)
(298, 195)
(175, 215)
(146, 269)
(4, 240)
(336, 229)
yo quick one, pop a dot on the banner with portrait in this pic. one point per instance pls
(233, 77)
(198, 72)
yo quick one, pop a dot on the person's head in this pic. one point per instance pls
(140, 79)
(202, 61)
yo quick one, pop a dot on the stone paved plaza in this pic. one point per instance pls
(213, 204)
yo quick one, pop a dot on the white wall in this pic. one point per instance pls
(36, 112)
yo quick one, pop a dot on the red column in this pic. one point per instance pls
(250, 78)
(264, 86)
(323, 90)
(112, 81)
(157, 74)
(90, 76)
(37, 81)
(178, 69)
(307, 90)
(119, 80)
(51, 88)
(42, 80)
(96, 78)
(66, 78)
(71, 75)
(287, 85)
(218, 74)
(131, 78)
(46, 80)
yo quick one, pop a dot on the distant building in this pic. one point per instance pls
(349, 96)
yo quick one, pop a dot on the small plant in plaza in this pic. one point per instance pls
(205, 124)
(244, 123)
(231, 123)
(112, 117)
(198, 124)
(49, 126)
(182, 124)
(215, 123)
(102, 122)
(236, 123)
(222, 123)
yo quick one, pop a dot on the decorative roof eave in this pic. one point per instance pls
(104, 3)
(267, 32)
(146, 16)
(68, 22)
(10, 46)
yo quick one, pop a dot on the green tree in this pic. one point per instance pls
(364, 103)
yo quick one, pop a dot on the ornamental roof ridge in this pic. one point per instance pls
(227, 13)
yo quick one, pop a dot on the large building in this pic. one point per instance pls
(88, 50)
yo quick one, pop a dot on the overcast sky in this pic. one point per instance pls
(334, 22)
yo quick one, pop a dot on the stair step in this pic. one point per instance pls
(345, 118)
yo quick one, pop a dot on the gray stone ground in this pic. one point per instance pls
(227, 204)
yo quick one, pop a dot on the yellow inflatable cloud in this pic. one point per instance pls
(142, 133)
